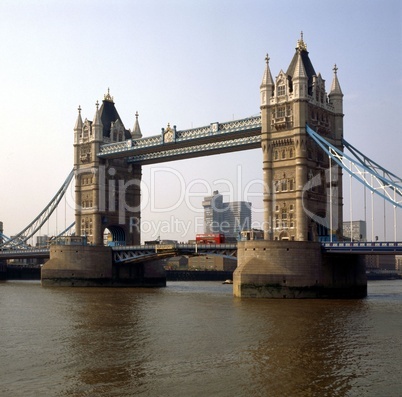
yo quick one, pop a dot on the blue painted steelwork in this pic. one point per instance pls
(24, 253)
(377, 248)
(157, 251)
(216, 138)
(65, 230)
(365, 170)
(24, 235)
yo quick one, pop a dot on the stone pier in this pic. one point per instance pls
(92, 266)
(296, 269)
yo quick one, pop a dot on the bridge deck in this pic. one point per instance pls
(216, 138)
(366, 248)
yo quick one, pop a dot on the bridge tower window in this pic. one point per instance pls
(291, 184)
(280, 112)
(284, 218)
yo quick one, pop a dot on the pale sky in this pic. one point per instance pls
(187, 63)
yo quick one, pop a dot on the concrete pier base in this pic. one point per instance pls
(296, 269)
(92, 266)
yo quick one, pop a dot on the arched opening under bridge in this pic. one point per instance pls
(114, 235)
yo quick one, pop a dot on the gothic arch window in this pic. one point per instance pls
(276, 156)
(290, 153)
(281, 89)
(283, 154)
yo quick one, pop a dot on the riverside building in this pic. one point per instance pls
(228, 218)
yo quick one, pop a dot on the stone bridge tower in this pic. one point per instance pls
(107, 192)
(303, 197)
(303, 193)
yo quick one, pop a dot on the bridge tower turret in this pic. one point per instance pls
(107, 192)
(267, 93)
(295, 170)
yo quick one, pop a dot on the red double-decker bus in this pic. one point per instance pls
(210, 238)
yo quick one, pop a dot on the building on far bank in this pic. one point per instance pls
(398, 263)
(177, 263)
(355, 230)
(228, 218)
(201, 262)
(42, 241)
(212, 262)
(380, 262)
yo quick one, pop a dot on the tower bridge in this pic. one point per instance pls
(300, 132)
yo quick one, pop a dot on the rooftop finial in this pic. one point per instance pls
(136, 114)
(267, 58)
(79, 109)
(335, 69)
(301, 45)
(97, 105)
(107, 96)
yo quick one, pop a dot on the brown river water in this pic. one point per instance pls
(195, 339)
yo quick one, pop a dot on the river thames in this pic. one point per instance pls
(195, 339)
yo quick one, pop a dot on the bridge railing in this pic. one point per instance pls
(360, 246)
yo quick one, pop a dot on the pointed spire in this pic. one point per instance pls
(335, 86)
(299, 71)
(97, 126)
(136, 133)
(267, 85)
(267, 77)
(336, 96)
(78, 123)
(97, 120)
(299, 77)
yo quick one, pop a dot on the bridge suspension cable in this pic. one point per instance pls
(375, 177)
(24, 235)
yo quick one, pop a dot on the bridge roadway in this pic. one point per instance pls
(130, 254)
(364, 248)
(138, 253)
